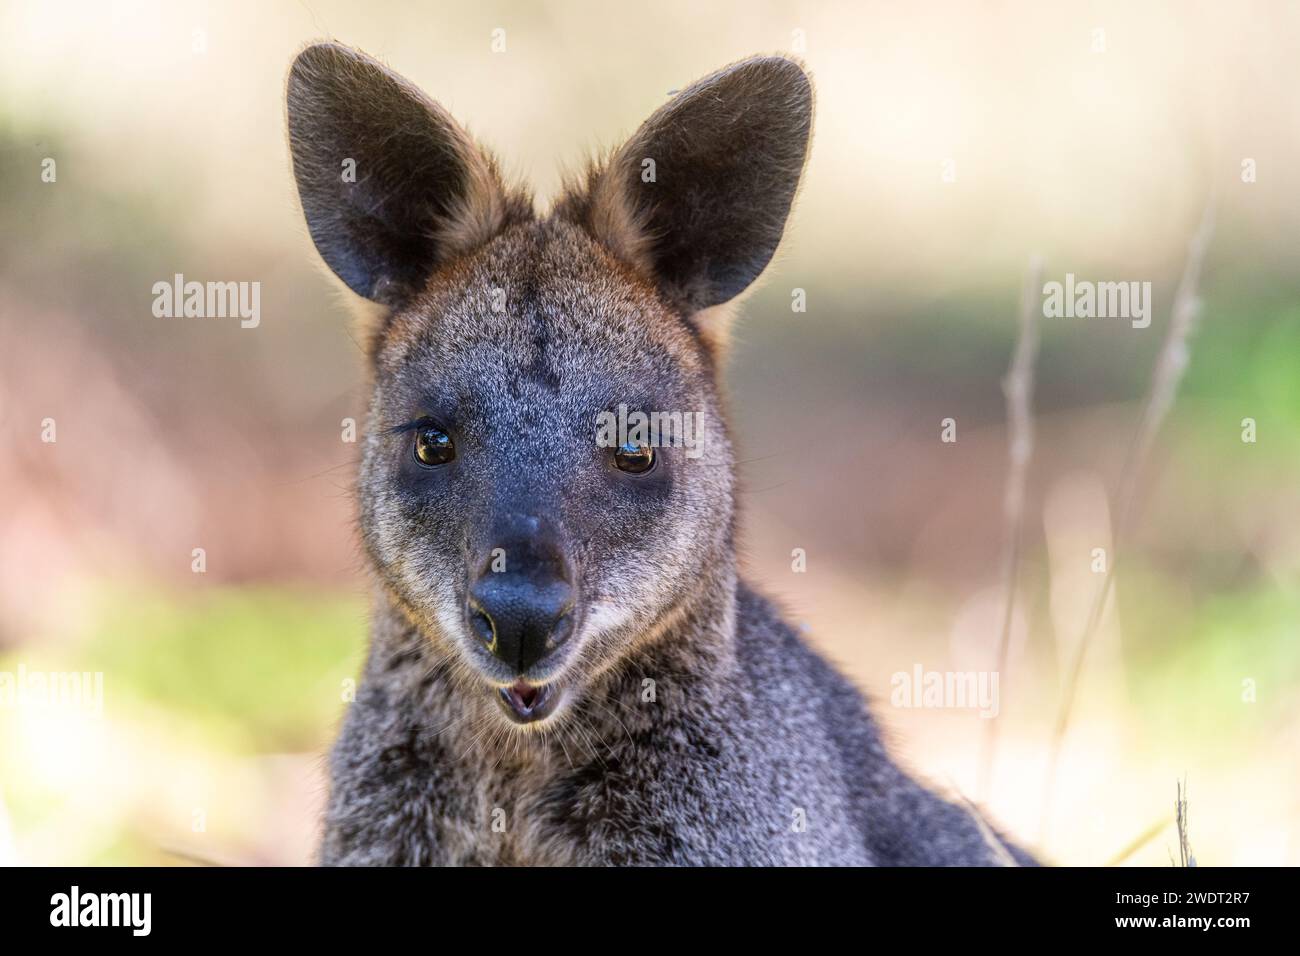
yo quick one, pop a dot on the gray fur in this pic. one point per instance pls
(696, 727)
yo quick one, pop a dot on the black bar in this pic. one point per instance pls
(215, 905)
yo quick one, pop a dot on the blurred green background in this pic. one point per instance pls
(953, 142)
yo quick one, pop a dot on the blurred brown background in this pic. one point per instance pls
(953, 142)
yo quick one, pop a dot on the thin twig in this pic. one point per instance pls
(1185, 857)
(1169, 368)
(191, 856)
(1018, 386)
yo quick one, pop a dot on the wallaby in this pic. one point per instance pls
(564, 667)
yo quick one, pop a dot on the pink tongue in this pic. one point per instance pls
(525, 692)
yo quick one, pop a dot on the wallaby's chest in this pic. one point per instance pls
(509, 817)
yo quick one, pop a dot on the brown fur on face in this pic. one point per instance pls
(521, 386)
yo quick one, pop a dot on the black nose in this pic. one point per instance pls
(521, 604)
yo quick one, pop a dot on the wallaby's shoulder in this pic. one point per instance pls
(815, 718)
(769, 646)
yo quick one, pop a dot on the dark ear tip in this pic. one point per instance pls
(773, 77)
(777, 68)
(782, 65)
(316, 55)
(322, 59)
(791, 76)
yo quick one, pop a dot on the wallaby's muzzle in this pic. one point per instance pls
(522, 601)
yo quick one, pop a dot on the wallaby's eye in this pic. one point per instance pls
(634, 458)
(433, 446)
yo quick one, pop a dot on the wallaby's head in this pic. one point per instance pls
(547, 478)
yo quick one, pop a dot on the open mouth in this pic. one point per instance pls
(525, 703)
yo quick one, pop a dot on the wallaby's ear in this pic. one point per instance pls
(391, 186)
(697, 199)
